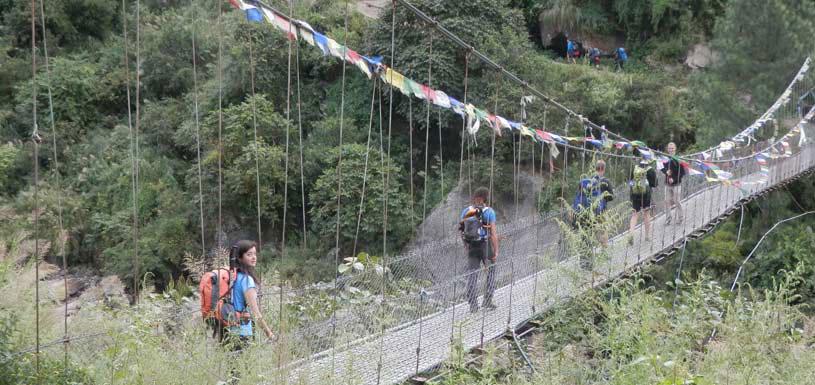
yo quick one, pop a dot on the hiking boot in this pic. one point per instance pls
(490, 306)
(473, 308)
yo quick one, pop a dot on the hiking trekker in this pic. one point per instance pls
(592, 199)
(594, 57)
(620, 58)
(571, 51)
(674, 172)
(480, 236)
(243, 257)
(641, 180)
(588, 208)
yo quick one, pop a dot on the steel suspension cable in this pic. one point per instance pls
(424, 193)
(255, 132)
(339, 207)
(35, 140)
(365, 169)
(283, 248)
(492, 146)
(385, 202)
(300, 134)
(220, 27)
(57, 175)
(464, 136)
(410, 152)
(136, 170)
(489, 62)
(197, 129)
(427, 135)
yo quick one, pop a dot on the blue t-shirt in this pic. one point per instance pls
(487, 217)
(243, 283)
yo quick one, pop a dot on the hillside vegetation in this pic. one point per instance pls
(111, 146)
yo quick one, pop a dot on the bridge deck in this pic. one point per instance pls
(427, 341)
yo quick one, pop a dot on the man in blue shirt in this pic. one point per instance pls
(480, 236)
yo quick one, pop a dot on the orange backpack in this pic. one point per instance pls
(217, 308)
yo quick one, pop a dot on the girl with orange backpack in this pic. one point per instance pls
(229, 298)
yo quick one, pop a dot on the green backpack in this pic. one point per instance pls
(639, 185)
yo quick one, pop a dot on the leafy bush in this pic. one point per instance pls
(370, 214)
(22, 369)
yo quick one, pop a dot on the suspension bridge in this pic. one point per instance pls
(408, 332)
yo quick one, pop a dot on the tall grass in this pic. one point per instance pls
(632, 334)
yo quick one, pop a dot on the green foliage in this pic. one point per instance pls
(754, 51)
(22, 369)
(8, 157)
(788, 250)
(242, 157)
(162, 211)
(70, 23)
(370, 214)
(631, 334)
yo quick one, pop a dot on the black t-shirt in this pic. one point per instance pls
(676, 171)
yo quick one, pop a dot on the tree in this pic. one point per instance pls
(324, 200)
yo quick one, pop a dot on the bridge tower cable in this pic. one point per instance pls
(255, 133)
(424, 194)
(61, 235)
(220, 245)
(464, 137)
(385, 269)
(281, 332)
(339, 206)
(136, 155)
(196, 117)
(300, 144)
(35, 141)
(361, 209)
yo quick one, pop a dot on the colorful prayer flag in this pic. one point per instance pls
(442, 100)
(252, 12)
(322, 42)
(395, 79)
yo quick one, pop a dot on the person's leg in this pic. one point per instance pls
(633, 222)
(473, 265)
(490, 285)
(631, 225)
(668, 204)
(490, 277)
(680, 216)
(646, 222)
(474, 257)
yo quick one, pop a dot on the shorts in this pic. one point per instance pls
(640, 202)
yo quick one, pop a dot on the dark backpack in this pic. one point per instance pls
(471, 225)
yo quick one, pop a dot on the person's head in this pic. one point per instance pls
(243, 256)
(671, 148)
(481, 196)
(600, 167)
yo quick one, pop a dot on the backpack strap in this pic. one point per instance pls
(216, 290)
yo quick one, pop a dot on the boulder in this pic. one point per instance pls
(57, 287)
(701, 56)
(26, 250)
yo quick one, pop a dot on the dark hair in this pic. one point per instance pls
(483, 193)
(237, 251)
